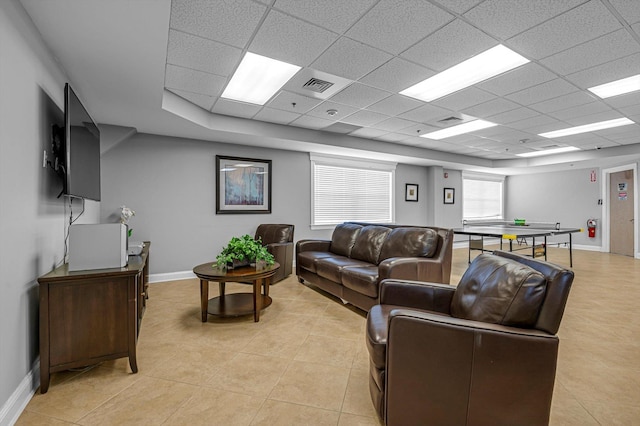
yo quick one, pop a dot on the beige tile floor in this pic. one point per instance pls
(305, 362)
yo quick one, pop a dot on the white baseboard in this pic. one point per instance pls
(587, 248)
(171, 276)
(19, 399)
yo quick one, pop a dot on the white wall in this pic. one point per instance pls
(32, 219)
(170, 183)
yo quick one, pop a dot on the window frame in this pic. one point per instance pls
(350, 163)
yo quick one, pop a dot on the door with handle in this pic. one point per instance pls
(621, 204)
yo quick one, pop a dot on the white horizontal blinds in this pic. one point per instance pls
(344, 192)
(482, 197)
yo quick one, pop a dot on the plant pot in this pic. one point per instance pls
(237, 264)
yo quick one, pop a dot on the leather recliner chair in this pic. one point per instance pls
(481, 353)
(278, 238)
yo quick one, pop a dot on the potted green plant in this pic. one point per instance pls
(242, 251)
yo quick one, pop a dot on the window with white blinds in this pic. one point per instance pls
(351, 190)
(482, 197)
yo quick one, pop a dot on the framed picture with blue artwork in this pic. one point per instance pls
(243, 185)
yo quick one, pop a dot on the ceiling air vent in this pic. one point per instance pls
(317, 85)
(450, 120)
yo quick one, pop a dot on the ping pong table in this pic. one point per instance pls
(505, 230)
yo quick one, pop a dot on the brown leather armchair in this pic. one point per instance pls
(278, 238)
(481, 353)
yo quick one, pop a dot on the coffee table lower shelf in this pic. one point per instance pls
(235, 304)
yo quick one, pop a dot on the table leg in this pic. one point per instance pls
(545, 248)
(267, 284)
(204, 298)
(221, 287)
(570, 252)
(257, 299)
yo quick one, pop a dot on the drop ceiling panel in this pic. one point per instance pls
(459, 6)
(396, 75)
(581, 110)
(394, 25)
(609, 47)
(505, 22)
(395, 105)
(291, 40)
(393, 137)
(310, 122)
(605, 73)
(203, 101)
(539, 120)
(513, 115)
(527, 75)
(365, 118)
(542, 92)
(350, 59)
(563, 102)
(275, 116)
(341, 111)
(464, 98)
(232, 23)
(417, 130)
(593, 118)
(193, 81)
(236, 109)
(394, 124)
(426, 113)
(367, 132)
(629, 9)
(626, 100)
(492, 107)
(336, 15)
(359, 95)
(201, 54)
(293, 102)
(456, 42)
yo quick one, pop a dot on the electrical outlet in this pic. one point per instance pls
(44, 159)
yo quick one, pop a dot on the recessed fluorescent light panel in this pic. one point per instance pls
(549, 151)
(619, 87)
(258, 78)
(587, 128)
(485, 65)
(459, 129)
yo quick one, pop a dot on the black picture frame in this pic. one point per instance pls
(411, 192)
(449, 196)
(243, 185)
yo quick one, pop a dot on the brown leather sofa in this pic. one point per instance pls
(359, 256)
(481, 353)
(278, 238)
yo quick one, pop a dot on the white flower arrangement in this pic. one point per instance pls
(125, 214)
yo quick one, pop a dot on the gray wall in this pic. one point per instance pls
(170, 183)
(568, 197)
(32, 219)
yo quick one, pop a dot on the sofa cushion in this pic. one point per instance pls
(331, 267)
(363, 279)
(343, 238)
(409, 242)
(499, 291)
(307, 259)
(369, 243)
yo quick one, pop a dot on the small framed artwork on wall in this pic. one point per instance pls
(449, 195)
(411, 192)
(243, 186)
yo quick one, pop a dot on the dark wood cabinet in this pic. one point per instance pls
(87, 317)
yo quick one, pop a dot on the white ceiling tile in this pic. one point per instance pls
(528, 75)
(636, 28)
(394, 25)
(464, 99)
(365, 118)
(193, 81)
(293, 102)
(505, 21)
(227, 22)
(584, 23)
(392, 137)
(396, 75)
(350, 59)
(336, 15)
(492, 107)
(581, 110)
(513, 115)
(593, 118)
(563, 102)
(367, 132)
(630, 111)
(395, 104)
(456, 42)
(359, 95)
(458, 6)
(340, 127)
(290, 40)
(539, 120)
(236, 109)
(625, 100)
(542, 92)
(630, 141)
(201, 54)
(310, 122)
(275, 116)
(394, 124)
(629, 9)
(586, 140)
(417, 130)
(341, 111)
(203, 101)
(426, 113)
(632, 130)
(595, 52)
(605, 73)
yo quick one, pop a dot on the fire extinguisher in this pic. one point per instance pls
(591, 227)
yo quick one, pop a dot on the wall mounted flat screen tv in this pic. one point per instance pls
(82, 149)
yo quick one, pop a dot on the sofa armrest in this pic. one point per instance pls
(455, 360)
(313, 245)
(413, 268)
(417, 294)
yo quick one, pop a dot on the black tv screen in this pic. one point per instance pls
(82, 146)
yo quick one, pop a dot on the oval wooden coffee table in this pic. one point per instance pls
(235, 304)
